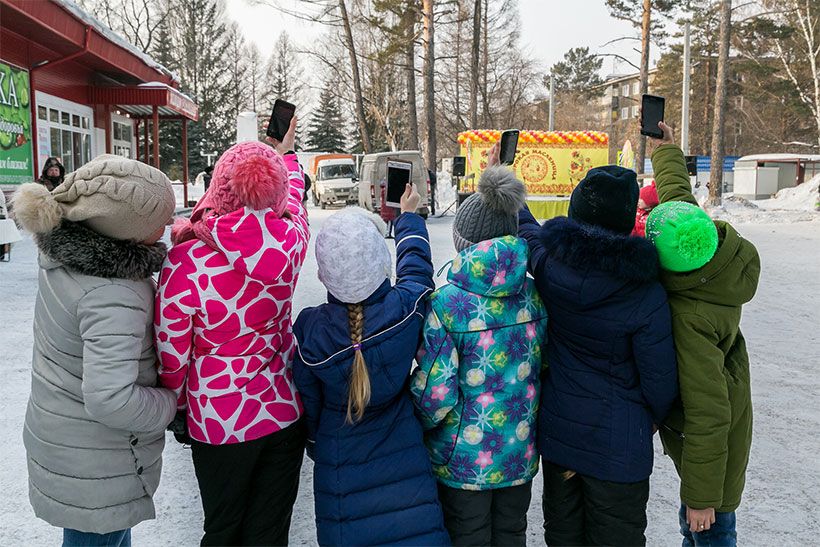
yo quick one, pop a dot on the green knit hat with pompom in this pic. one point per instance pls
(684, 235)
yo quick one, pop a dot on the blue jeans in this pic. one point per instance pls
(75, 538)
(722, 533)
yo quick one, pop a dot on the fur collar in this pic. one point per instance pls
(586, 247)
(85, 251)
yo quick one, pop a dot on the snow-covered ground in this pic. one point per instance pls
(781, 327)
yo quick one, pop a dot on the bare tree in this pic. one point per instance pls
(718, 130)
(474, 60)
(137, 20)
(429, 83)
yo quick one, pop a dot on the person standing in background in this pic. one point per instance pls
(53, 174)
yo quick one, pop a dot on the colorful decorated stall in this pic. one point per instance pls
(550, 163)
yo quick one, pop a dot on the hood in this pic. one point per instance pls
(255, 243)
(85, 251)
(601, 261)
(51, 162)
(729, 279)
(495, 268)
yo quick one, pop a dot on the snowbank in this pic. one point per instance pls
(804, 197)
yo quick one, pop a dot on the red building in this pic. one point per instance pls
(72, 88)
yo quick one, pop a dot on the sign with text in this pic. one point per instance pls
(16, 165)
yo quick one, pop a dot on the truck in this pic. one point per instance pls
(374, 174)
(334, 180)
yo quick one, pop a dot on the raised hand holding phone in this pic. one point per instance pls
(668, 136)
(493, 156)
(410, 199)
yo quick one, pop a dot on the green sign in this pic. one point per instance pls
(15, 126)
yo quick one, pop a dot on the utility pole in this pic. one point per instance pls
(687, 73)
(552, 102)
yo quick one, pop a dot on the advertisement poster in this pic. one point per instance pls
(550, 164)
(15, 126)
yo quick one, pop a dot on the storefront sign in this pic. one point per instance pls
(15, 126)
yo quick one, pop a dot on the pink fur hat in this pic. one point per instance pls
(248, 174)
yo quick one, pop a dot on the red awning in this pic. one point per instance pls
(140, 101)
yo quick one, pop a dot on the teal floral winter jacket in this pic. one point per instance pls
(477, 386)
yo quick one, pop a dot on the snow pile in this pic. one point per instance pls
(804, 197)
(445, 192)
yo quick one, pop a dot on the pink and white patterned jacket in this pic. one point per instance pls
(223, 322)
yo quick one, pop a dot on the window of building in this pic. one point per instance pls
(42, 113)
(636, 111)
(636, 88)
(123, 134)
(625, 90)
(625, 113)
(69, 132)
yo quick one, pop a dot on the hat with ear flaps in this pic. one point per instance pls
(115, 196)
(684, 235)
(352, 255)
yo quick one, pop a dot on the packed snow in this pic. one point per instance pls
(781, 500)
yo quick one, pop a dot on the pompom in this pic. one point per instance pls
(261, 181)
(36, 209)
(697, 240)
(501, 190)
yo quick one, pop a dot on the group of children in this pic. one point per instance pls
(426, 411)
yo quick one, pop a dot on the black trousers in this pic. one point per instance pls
(248, 489)
(486, 517)
(585, 511)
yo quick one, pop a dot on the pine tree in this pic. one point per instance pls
(325, 131)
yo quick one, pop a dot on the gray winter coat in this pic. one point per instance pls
(95, 425)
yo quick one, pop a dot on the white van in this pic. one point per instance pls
(373, 172)
(334, 182)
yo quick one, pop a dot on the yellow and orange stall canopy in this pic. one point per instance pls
(550, 163)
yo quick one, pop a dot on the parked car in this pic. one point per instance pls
(334, 181)
(373, 173)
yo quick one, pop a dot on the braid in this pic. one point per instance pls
(359, 390)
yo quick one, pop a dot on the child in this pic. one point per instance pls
(647, 201)
(372, 479)
(225, 341)
(709, 272)
(95, 424)
(611, 372)
(477, 385)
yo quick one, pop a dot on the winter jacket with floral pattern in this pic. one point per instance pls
(476, 389)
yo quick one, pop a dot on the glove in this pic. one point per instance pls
(179, 427)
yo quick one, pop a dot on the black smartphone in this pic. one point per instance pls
(651, 113)
(509, 145)
(399, 175)
(279, 123)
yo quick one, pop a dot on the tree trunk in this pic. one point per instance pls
(410, 74)
(707, 105)
(718, 132)
(485, 62)
(429, 84)
(646, 21)
(357, 81)
(474, 76)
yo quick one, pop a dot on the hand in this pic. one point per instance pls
(288, 142)
(700, 520)
(668, 135)
(410, 199)
(494, 155)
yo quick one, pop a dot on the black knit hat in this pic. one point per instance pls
(607, 197)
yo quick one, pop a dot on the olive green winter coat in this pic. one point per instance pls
(709, 432)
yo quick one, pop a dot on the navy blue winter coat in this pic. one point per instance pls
(373, 482)
(611, 360)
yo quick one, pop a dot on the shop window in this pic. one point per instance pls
(86, 122)
(75, 120)
(56, 143)
(65, 118)
(86, 147)
(54, 115)
(67, 155)
(42, 113)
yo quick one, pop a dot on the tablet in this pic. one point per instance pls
(399, 175)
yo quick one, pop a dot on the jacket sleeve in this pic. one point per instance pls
(435, 381)
(414, 260)
(654, 351)
(671, 175)
(310, 390)
(173, 324)
(706, 410)
(528, 230)
(113, 321)
(296, 176)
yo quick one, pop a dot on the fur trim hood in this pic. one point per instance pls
(85, 251)
(587, 247)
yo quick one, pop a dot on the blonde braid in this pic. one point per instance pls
(359, 390)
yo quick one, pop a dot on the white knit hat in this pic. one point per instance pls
(352, 255)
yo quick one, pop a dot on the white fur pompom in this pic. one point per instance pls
(36, 209)
(501, 190)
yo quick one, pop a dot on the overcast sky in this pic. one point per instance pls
(549, 28)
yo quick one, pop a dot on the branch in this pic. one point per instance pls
(620, 57)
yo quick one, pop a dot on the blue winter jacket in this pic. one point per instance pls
(373, 482)
(611, 360)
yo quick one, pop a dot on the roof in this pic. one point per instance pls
(618, 78)
(141, 100)
(377, 155)
(783, 158)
